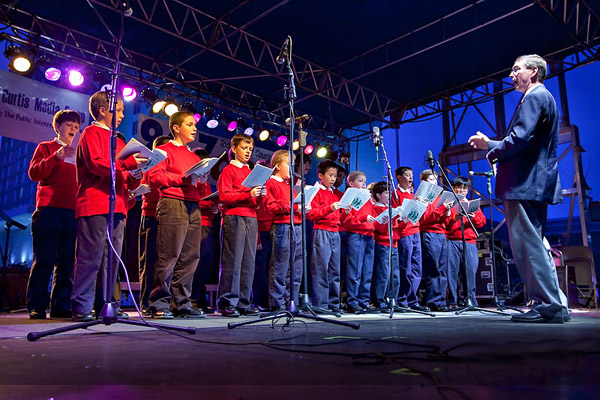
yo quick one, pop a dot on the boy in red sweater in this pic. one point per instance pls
(92, 206)
(360, 245)
(434, 247)
(260, 284)
(53, 226)
(277, 203)
(179, 224)
(325, 263)
(381, 272)
(240, 232)
(148, 231)
(461, 186)
(409, 246)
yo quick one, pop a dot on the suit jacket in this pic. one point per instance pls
(526, 156)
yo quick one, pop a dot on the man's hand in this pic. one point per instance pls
(65, 152)
(479, 141)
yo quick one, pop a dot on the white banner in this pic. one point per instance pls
(27, 107)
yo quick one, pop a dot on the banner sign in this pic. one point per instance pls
(28, 106)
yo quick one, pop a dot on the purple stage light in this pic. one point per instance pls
(232, 126)
(52, 74)
(282, 140)
(75, 78)
(197, 117)
(129, 93)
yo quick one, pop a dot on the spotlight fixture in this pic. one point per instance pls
(245, 127)
(211, 121)
(19, 59)
(171, 106)
(296, 145)
(230, 124)
(150, 96)
(75, 77)
(129, 93)
(188, 106)
(264, 135)
(309, 149)
(281, 140)
(52, 74)
(322, 151)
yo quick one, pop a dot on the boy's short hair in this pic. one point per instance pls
(461, 180)
(201, 152)
(426, 173)
(325, 165)
(278, 156)
(354, 175)
(99, 100)
(401, 170)
(65, 116)
(159, 141)
(301, 157)
(178, 118)
(239, 138)
(378, 188)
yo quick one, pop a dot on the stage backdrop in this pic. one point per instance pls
(27, 107)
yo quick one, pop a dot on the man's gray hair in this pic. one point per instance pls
(533, 60)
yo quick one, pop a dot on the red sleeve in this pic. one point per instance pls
(319, 207)
(479, 220)
(275, 202)
(227, 194)
(42, 163)
(96, 154)
(161, 178)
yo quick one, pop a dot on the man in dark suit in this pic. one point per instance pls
(527, 181)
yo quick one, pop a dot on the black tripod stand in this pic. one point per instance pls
(291, 309)
(391, 293)
(469, 305)
(108, 314)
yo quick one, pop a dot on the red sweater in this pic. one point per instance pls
(57, 180)
(434, 220)
(277, 201)
(93, 174)
(206, 206)
(149, 200)
(168, 174)
(321, 213)
(356, 221)
(236, 199)
(382, 235)
(453, 228)
(405, 228)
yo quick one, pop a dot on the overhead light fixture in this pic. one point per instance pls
(246, 128)
(230, 124)
(309, 149)
(19, 59)
(209, 115)
(264, 135)
(150, 96)
(52, 74)
(171, 106)
(296, 145)
(188, 106)
(75, 77)
(322, 151)
(129, 93)
(281, 140)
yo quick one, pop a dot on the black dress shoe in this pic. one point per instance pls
(336, 310)
(356, 309)
(122, 314)
(369, 309)
(533, 316)
(60, 314)
(189, 313)
(162, 314)
(229, 311)
(83, 317)
(419, 307)
(34, 314)
(146, 312)
(250, 311)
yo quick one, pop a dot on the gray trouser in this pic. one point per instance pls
(526, 222)
(325, 271)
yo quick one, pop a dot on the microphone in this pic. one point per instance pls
(487, 174)
(376, 137)
(430, 160)
(285, 49)
(297, 119)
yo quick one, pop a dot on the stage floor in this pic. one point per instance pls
(475, 355)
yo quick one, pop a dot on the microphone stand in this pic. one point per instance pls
(108, 314)
(391, 298)
(469, 306)
(291, 309)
